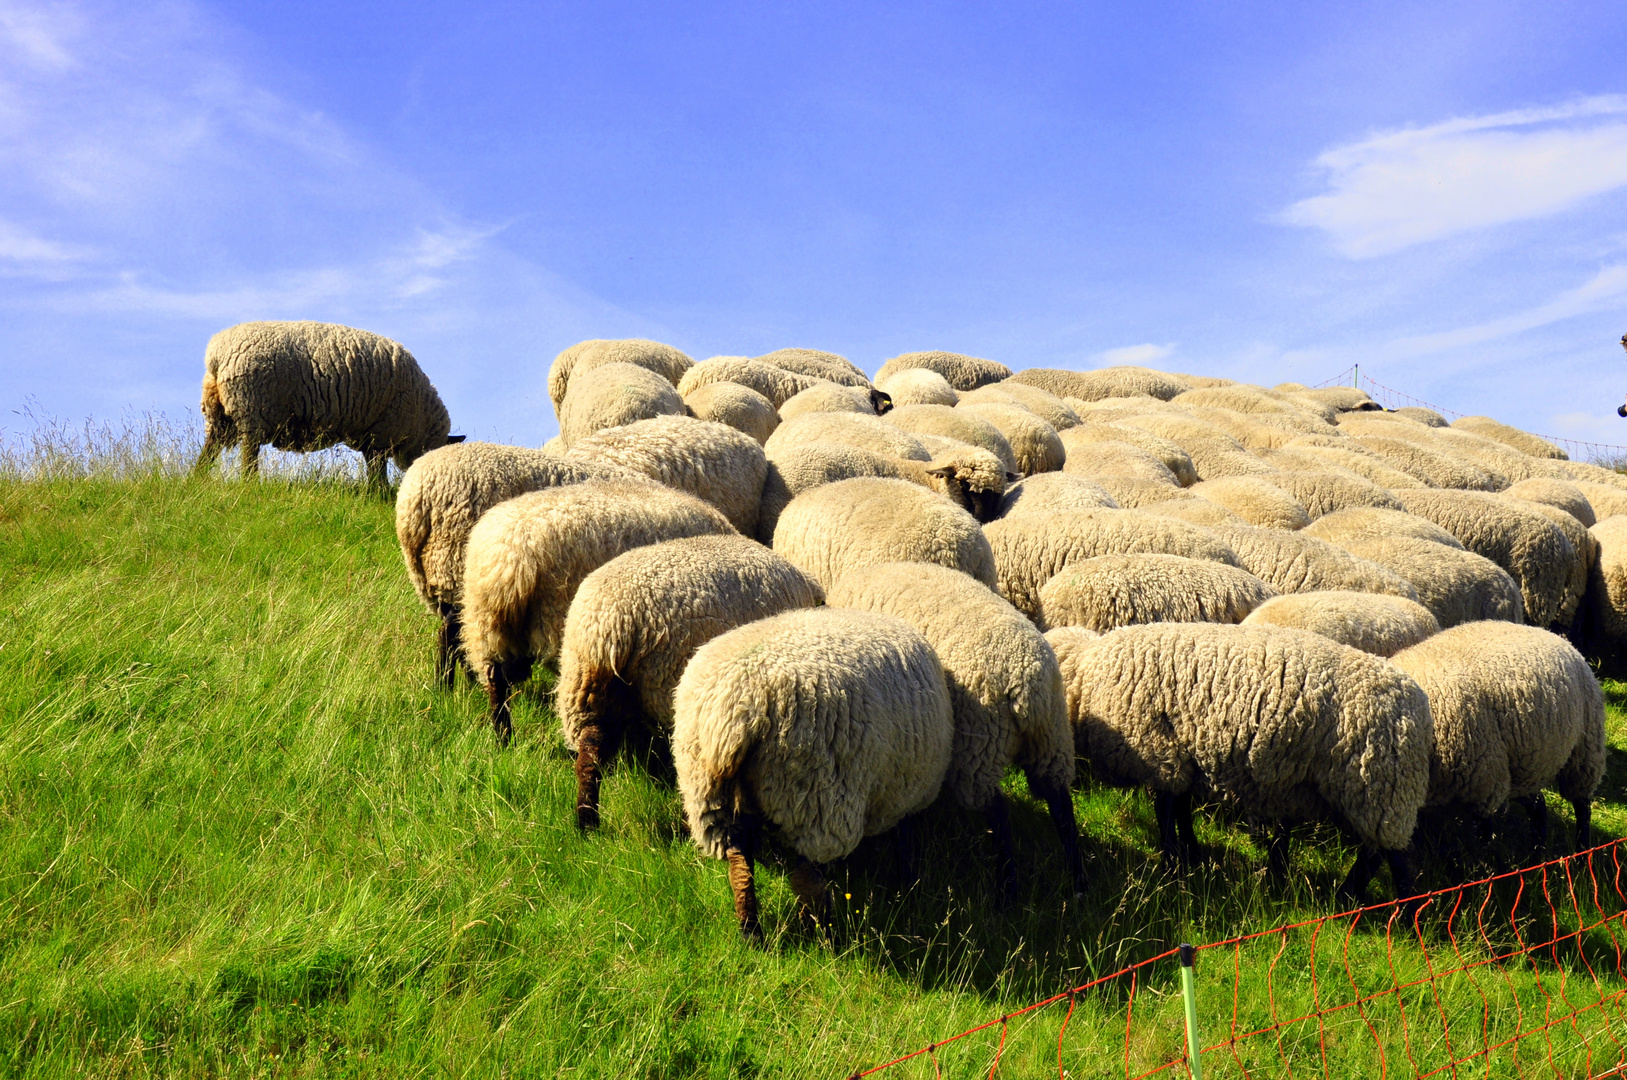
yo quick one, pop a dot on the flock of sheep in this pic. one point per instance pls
(839, 597)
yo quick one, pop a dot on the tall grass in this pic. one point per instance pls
(243, 834)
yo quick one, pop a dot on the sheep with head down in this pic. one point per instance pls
(1094, 460)
(1042, 403)
(1566, 495)
(664, 360)
(613, 395)
(957, 424)
(850, 429)
(741, 407)
(775, 383)
(1035, 445)
(1374, 522)
(1193, 510)
(823, 397)
(1213, 452)
(818, 365)
(1433, 466)
(1256, 500)
(1076, 440)
(960, 372)
(1315, 452)
(1606, 601)
(1044, 492)
(1121, 381)
(918, 386)
(1456, 586)
(1110, 591)
(1293, 562)
(1372, 622)
(1326, 491)
(1426, 417)
(1522, 441)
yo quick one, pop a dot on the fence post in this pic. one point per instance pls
(1355, 378)
(1190, 994)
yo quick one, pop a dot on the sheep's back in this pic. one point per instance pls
(1372, 622)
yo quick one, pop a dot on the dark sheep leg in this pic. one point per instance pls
(448, 649)
(808, 885)
(1276, 854)
(1584, 823)
(908, 854)
(1537, 806)
(213, 444)
(250, 463)
(497, 688)
(595, 745)
(1401, 876)
(740, 849)
(378, 477)
(1191, 851)
(997, 815)
(1164, 805)
(1354, 888)
(1059, 801)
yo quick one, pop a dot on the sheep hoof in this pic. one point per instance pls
(587, 817)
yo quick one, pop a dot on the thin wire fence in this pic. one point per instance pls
(1520, 974)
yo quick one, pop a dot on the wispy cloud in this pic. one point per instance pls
(1145, 353)
(1401, 188)
(1606, 289)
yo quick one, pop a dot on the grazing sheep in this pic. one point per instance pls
(1584, 550)
(1516, 710)
(956, 424)
(1499, 458)
(850, 429)
(1004, 688)
(441, 497)
(1427, 417)
(963, 373)
(1134, 493)
(917, 386)
(1102, 383)
(1042, 403)
(1095, 460)
(636, 621)
(1292, 562)
(1113, 409)
(1326, 492)
(1605, 500)
(1192, 510)
(1213, 452)
(831, 397)
(741, 407)
(968, 477)
(818, 365)
(1110, 591)
(1372, 622)
(1562, 494)
(1456, 586)
(1031, 549)
(828, 724)
(612, 395)
(526, 556)
(1035, 446)
(1256, 500)
(1259, 431)
(775, 383)
(1364, 463)
(1607, 586)
(1595, 474)
(1524, 442)
(836, 528)
(1530, 547)
(1287, 723)
(1260, 404)
(1338, 398)
(713, 462)
(1373, 523)
(664, 360)
(1167, 451)
(310, 385)
(1045, 492)
(1438, 468)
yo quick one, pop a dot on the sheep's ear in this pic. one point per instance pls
(1012, 478)
(450, 439)
(945, 471)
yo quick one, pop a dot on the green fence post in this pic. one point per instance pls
(1355, 379)
(1190, 993)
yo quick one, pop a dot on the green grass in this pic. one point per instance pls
(242, 834)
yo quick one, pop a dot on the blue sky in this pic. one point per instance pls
(1264, 191)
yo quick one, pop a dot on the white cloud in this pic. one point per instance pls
(1606, 289)
(1136, 354)
(22, 246)
(1401, 188)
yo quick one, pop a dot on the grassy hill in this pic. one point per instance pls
(242, 834)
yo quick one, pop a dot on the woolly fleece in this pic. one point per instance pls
(957, 424)
(1046, 492)
(1256, 500)
(612, 395)
(1293, 562)
(741, 407)
(1110, 591)
(1566, 495)
(1102, 383)
(664, 360)
(1323, 493)
(818, 365)
(1167, 451)
(850, 429)
(961, 372)
(1095, 460)
(1374, 623)
(1523, 441)
(775, 383)
(917, 386)
(1035, 445)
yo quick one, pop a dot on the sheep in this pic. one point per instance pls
(1456, 586)
(1369, 523)
(1356, 459)
(1607, 585)
(828, 724)
(664, 360)
(1035, 446)
(741, 407)
(955, 424)
(1372, 622)
(1113, 409)
(1338, 398)
(835, 528)
(1004, 689)
(713, 462)
(1565, 495)
(1110, 591)
(1437, 468)
(1042, 403)
(310, 385)
(526, 556)
(967, 476)
(1167, 451)
(1325, 492)
(1604, 500)
(1263, 403)
(441, 497)
(1193, 510)
(830, 397)
(612, 395)
(1031, 549)
(1516, 710)
(1259, 431)
(555, 446)
(1584, 550)
(1256, 500)
(636, 621)
(1213, 452)
(775, 383)
(1292, 562)
(1203, 382)
(1103, 382)
(1287, 723)
(1596, 474)
(818, 365)
(1533, 550)
(1497, 457)
(1524, 442)
(1044, 492)
(1136, 493)
(850, 429)
(1111, 458)
(960, 372)
(917, 386)
(1427, 417)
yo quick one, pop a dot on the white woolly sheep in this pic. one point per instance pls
(1096, 460)
(850, 429)
(1323, 492)
(1596, 474)
(1031, 549)
(831, 397)
(836, 528)
(1605, 500)
(1042, 403)
(1045, 492)
(1530, 547)
(827, 724)
(1427, 417)
(1438, 468)
(917, 386)
(1167, 451)
(1260, 402)
(1498, 457)
(956, 424)
(612, 395)
(441, 497)
(310, 385)
(1338, 398)
(1108, 382)
(1004, 688)
(1292, 562)
(1584, 550)
(1372, 523)
(969, 477)
(1516, 710)
(664, 360)
(960, 372)
(1133, 493)
(1110, 591)
(1607, 587)
(1193, 510)
(1252, 431)
(1213, 452)
(713, 462)
(775, 383)
(1566, 495)
(818, 365)
(1314, 452)
(1456, 586)
(526, 557)
(1289, 724)
(1372, 622)
(741, 407)
(1035, 446)
(1256, 500)
(636, 621)
(1522, 441)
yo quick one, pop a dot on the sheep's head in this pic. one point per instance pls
(973, 479)
(880, 400)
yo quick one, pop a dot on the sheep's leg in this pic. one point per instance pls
(250, 463)
(808, 885)
(1164, 805)
(502, 721)
(1401, 876)
(213, 443)
(907, 853)
(998, 817)
(1537, 807)
(1059, 801)
(595, 745)
(378, 478)
(1276, 853)
(1584, 823)
(740, 850)
(448, 649)
(1191, 851)
(1354, 888)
